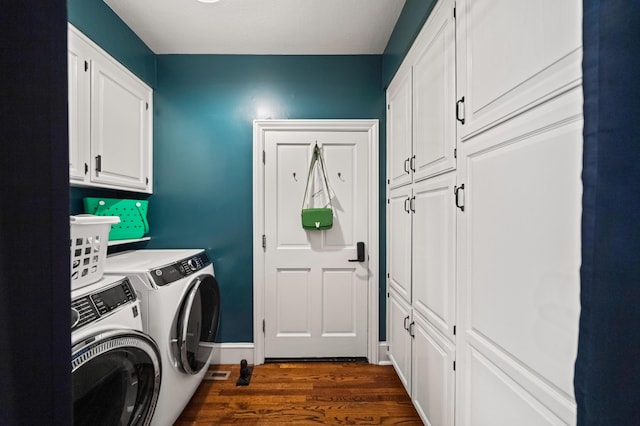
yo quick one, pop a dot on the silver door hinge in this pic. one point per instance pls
(264, 241)
(264, 157)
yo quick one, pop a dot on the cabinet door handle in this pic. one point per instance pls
(456, 193)
(98, 163)
(412, 204)
(458, 117)
(406, 166)
(406, 327)
(407, 203)
(411, 329)
(412, 164)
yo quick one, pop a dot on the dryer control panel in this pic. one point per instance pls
(184, 268)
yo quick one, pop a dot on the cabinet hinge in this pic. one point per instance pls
(147, 180)
(264, 241)
(454, 11)
(86, 168)
(455, 152)
(388, 181)
(388, 200)
(388, 275)
(264, 157)
(263, 326)
(146, 106)
(388, 106)
(457, 190)
(454, 330)
(86, 66)
(98, 163)
(454, 366)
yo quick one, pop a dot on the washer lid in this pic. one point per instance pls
(140, 261)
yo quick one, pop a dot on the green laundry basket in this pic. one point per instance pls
(133, 216)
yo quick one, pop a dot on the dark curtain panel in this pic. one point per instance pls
(607, 374)
(35, 379)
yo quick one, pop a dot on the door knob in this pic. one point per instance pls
(360, 252)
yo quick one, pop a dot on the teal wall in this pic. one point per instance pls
(204, 106)
(203, 138)
(98, 22)
(413, 16)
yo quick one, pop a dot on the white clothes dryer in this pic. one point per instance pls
(180, 305)
(116, 368)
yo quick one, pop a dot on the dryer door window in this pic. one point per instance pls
(198, 323)
(116, 379)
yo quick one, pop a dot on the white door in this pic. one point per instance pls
(315, 298)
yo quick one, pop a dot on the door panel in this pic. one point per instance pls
(119, 126)
(538, 53)
(316, 301)
(398, 338)
(434, 94)
(433, 377)
(434, 251)
(399, 128)
(399, 241)
(519, 272)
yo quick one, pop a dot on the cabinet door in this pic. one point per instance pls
(519, 266)
(399, 241)
(399, 128)
(398, 338)
(432, 374)
(434, 251)
(121, 127)
(434, 91)
(79, 78)
(513, 54)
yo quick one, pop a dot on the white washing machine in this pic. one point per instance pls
(180, 305)
(116, 368)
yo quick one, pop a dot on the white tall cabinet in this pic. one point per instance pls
(483, 223)
(110, 120)
(421, 219)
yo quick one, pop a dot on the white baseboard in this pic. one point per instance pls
(231, 353)
(383, 358)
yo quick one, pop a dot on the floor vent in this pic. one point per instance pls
(217, 375)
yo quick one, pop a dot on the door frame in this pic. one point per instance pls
(260, 127)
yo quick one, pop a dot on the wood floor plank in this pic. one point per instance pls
(303, 394)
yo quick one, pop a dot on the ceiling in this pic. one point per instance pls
(270, 27)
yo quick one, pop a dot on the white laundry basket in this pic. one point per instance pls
(89, 239)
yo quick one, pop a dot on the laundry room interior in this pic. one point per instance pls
(477, 266)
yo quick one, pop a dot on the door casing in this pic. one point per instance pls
(260, 127)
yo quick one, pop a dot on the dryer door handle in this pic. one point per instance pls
(183, 327)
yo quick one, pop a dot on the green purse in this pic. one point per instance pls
(317, 219)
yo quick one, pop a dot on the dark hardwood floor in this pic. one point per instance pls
(303, 393)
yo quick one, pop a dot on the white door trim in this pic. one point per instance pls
(259, 129)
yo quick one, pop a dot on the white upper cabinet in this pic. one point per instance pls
(513, 55)
(421, 121)
(434, 96)
(399, 129)
(110, 120)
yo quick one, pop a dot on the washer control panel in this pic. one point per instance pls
(91, 307)
(184, 268)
